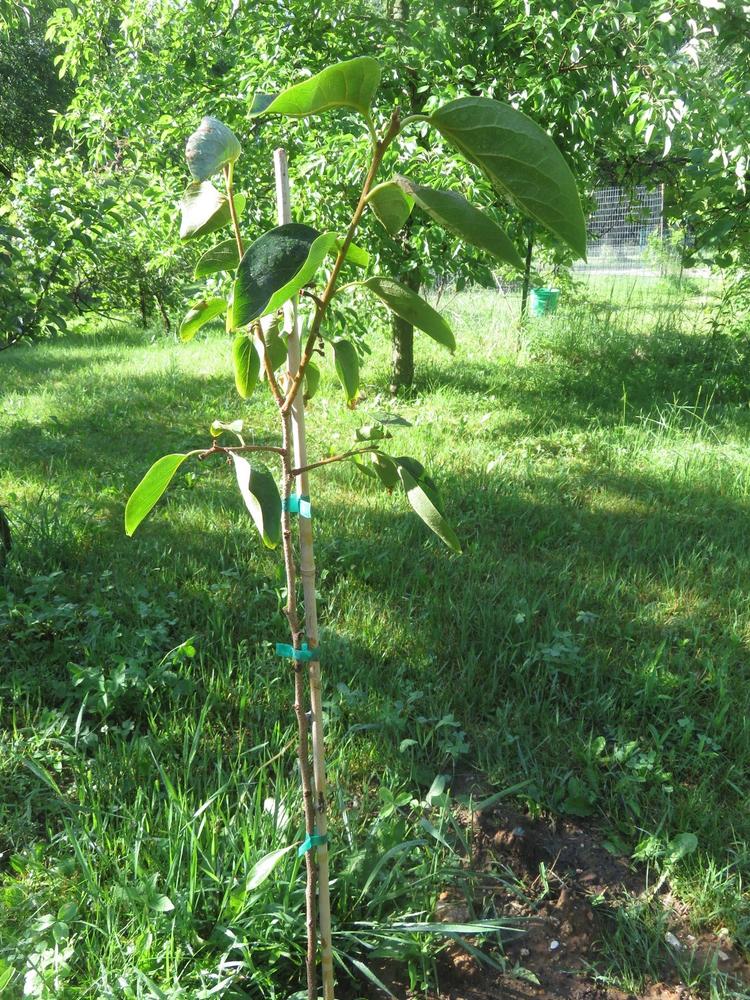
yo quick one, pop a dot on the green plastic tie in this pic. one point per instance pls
(297, 504)
(303, 653)
(310, 841)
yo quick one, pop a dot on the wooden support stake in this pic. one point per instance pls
(307, 574)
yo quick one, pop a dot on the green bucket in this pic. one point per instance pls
(544, 301)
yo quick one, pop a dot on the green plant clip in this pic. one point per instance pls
(310, 841)
(303, 653)
(297, 504)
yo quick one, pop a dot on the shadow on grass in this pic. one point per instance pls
(579, 379)
(592, 632)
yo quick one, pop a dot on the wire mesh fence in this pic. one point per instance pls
(626, 232)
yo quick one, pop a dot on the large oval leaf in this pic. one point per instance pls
(211, 146)
(409, 306)
(246, 362)
(319, 250)
(520, 159)
(204, 210)
(391, 204)
(150, 489)
(454, 212)
(347, 367)
(202, 312)
(350, 84)
(422, 495)
(223, 257)
(268, 265)
(261, 496)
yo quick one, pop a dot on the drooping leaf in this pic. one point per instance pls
(422, 496)
(246, 362)
(219, 426)
(520, 159)
(268, 265)
(385, 469)
(392, 204)
(223, 257)
(347, 367)
(273, 344)
(261, 496)
(455, 213)
(350, 84)
(149, 490)
(264, 868)
(199, 314)
(204, 210)
(211, 146)
(409, 306)
(312, 380)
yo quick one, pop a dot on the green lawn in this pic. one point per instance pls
(590, 645)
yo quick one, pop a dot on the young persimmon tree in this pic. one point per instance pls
(260, 285)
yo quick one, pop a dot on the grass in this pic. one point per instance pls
(590, 644)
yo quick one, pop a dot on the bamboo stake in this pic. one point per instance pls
(307, 574)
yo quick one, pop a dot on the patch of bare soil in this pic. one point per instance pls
(564, 882)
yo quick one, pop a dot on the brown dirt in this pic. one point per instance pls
(561, 882)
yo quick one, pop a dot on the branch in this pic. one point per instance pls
(275, 390)
(229, 179)
(229, 450)
(380, 148)
(334, 458)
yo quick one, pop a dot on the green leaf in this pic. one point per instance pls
(150, 489)
(246, 362)
(205, 210)
(422, 495)
(453, 212)
(409, 306)
(275, 346)
(6, 974)
(319, 250)
(269, 264)
(211, 146)
(347, 367)
(162, 904)
(261, 496)
(680, 846)
(199, 314)
(369, 974)
(355, 254)
(219, 426)
(391, 204)
(312, 380)
(350, 84)
(223, 257)
(379, 466)
(264, 868)
(520, 159)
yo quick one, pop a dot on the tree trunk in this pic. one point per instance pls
(143, 302)
(402, 339)
(402, 333)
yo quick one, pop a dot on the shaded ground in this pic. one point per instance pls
(589, 649)
(569, 890)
